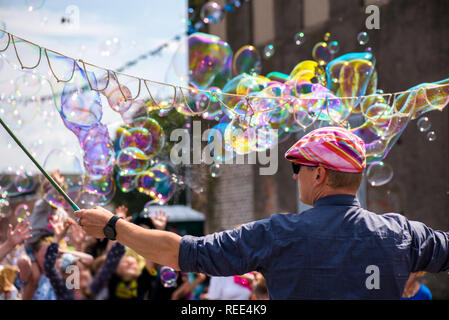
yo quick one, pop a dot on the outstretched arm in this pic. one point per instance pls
(159, 246)
(17, 236)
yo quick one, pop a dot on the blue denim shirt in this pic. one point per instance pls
(330, 251)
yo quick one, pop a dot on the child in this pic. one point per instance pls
(41, 228)
(15, 237)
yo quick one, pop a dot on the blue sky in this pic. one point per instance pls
(137, 27)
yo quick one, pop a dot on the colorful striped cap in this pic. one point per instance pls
(334, 148)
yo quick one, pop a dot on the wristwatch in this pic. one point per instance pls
(109, 229)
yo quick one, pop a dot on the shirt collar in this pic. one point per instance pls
(338, 200)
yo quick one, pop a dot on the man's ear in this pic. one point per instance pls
(320, 175)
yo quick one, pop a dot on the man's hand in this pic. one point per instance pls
(94, 220)
(19, 234)
(160, 219)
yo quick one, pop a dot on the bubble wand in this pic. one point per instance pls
(49, 178)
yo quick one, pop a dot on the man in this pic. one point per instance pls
(335, 250)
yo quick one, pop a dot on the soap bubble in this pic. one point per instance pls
(88, 199)
(119, 97)
(126, 180)
(363, 38)
(64, 161)
(214, 111)
(321, 53)
(219, 152)
(138, 137)
(4, 208)
(22, 212)
(299, 38)
(157, 183)
(24, 182)
(268, 51)
(423, 124)
(327, 35)
(168, 277)
(211, 13)
(34, 4)
(102, 186)
(132, 159)
(145, 182)
(164, 187)
(215, 170)
(431, 136)
(210, 61)
(247, 60)
(379, 173)
(79, 107)
(156, 133)
(6, 179)
(334, 46)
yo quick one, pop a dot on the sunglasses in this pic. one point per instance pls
(296, 167)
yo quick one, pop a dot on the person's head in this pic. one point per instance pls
(128, 268)
(260, 291)
(327, 161)
(97, 264)
(85, 274)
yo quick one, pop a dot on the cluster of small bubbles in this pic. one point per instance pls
(81, 112)
(268, 51)
(379, 173)
(4, 202)
(4, 205)
(362, 38)
(424, 125)
(299, 38)
(168, 277)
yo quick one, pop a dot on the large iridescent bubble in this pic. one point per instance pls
(352, 75)
(247, 60)
(157, 183)
(80, 107)
(209, 60)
